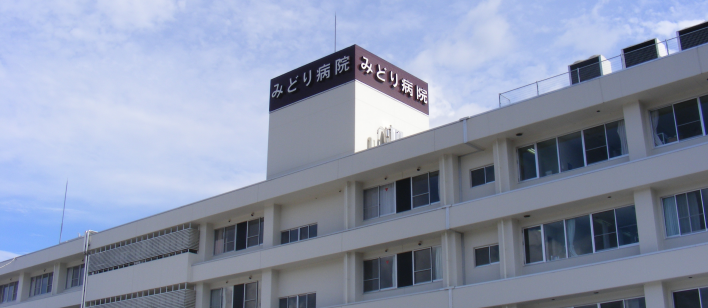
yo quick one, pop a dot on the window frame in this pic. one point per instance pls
(565, 235)
(222, 230)
(673, 111)
(395, 189)
(582, 139)
(489, 253)
(70, 280)
(33, 284)
(624, 302)
(663, 213)
(297, 298)
(395, 273)
(233, 294)
(486, 177)
(12, 295)
(299, 234)
(432, 269)
(703, 305)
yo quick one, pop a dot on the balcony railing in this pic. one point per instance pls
(607, 66)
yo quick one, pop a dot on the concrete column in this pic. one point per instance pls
(206, 241)
(23, 286)
(353, 204)
(203, 295)
(503, 164)
(637, 130)
(453, 264)
(649, 225)
(449, 179)
(353, 277)
(510, 256)
(269, 289)
(655, 295)
(271, 225)
(59, 278)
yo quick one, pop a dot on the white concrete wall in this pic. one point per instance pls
(480, 237)
(325, 278)
(327, 211)
(471, 162)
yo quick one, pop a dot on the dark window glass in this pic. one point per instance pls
(304, 233)
(420, 191)
(283, 303)
(616, 139)
(371, 275)
(284, 237)
(579, 236)
(386, 278)
(704, 110)
(494, 254)
(238, 296)
(533, 244)
(481, 256)
(422, 266)
(704, 296)
(664, 125)
(586, 306)
(635, 303)
(253, 232)
(404, 269)
(251, 295)
(489, 173)
(570, 148)
(547, 157)
(605, 230)
(229, 238)
(627, 225)
(554, 234)
(687, 299)
(434, 178)
(478, 177)
(527, 162)
(313, 230)
(617, 304)
(292, 302)
(595, 144)
(688, 119)
(311, 300)
(294, 236)
(690, 212)
(403, 195)
(260, 236)
(241, 235)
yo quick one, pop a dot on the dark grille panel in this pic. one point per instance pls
(185, 298)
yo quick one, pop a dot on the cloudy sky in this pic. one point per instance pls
(147, 105)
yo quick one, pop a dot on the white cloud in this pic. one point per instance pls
(139, 14)
(6, 255)
(667, 29)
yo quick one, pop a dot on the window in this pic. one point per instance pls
(627, 303)
(694, 298)
(298, 234)
(679, 121)
(215, 298)
(246, 295)
(581, 235)
(486, 255)
(482, 176)
(41, 284)
(238, 237)
(403, 269)
(685, 213)
(298, 301)
(572, 151)
(74, 276)
(8, 292)
(402, 195)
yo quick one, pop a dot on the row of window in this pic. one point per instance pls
(482, 176)
(680, 121)
(41, 284)
(402, 195)
(244, 296)
(572, 151)
(403, 269)
(298, 234)
(694, 298)
(581, 235)
(239, 236)
(685, 213)
(298, 301)
(627, 303)
(74, 276)
(8, 292)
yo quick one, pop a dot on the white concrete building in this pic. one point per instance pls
(592, 195)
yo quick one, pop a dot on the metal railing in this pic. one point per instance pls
(605, 67)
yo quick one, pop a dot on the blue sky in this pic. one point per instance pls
(149, 105)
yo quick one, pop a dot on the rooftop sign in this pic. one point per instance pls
(351, 63)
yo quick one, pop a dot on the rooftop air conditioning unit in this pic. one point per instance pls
(643, 52)
(693, 36)
(384, 135)
(593, 67)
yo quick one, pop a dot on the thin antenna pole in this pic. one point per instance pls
(63, 210)
(335, 31)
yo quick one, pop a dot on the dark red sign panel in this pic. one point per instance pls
(344, 66)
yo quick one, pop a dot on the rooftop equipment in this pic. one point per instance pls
(693, 36)
(593, 67)
(643, 52)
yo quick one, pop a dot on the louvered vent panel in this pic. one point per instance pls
(693, 36)
(183, 299)
(157, 246)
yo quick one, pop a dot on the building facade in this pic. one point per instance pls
(594, 195)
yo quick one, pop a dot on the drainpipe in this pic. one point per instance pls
(87, 243)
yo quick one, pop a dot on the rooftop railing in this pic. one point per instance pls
(605, 67)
